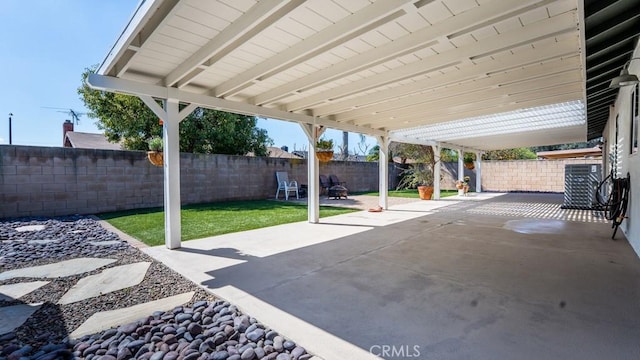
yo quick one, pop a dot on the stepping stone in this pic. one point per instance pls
(59, 269)
(14, 316)
(107, 319)
(30, 228)
(16, 291)
(107, 281)
(105, 243)
(42, 242)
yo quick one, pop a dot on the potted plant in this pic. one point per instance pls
(324, 150)
(155, 151)
(463, 186)
(420, 176)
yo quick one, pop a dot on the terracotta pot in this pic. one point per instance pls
(324, 156)
(156, 157)
(425, 192)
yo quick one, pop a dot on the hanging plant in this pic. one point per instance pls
(155, 154)
(324, 150)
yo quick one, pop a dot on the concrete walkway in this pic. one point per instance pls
(509, 277)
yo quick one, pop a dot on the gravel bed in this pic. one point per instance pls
(205, 328)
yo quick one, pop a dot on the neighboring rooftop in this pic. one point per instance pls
(89, 141)
(276, 152)
(571, 153)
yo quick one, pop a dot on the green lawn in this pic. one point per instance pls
(198, 221)
(411, 193)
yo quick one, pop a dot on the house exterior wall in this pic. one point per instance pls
(626, 161)
(51, 181)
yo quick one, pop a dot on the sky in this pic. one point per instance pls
(47, 44)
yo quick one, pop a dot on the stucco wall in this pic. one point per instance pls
(49, 181)
(627, 162)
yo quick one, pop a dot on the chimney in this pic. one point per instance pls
(66, 127)
(285, 148)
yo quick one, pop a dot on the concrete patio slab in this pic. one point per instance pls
(14, 316)
(106, 319)
(107, 281)
(454, 282)
(15, 291)
(59, 269)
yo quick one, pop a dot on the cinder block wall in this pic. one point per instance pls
(527, 175)
(49, 181)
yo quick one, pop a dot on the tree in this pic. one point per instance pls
(448, 155)
(422, 170)
(509, 154)
(578, 145)
(126, 118)
(374, 153)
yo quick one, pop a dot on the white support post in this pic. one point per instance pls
(313, 174)
(170, 129)
(171, 118)
(460, 164)
(436, 171)
(383, 172)
(479, 172)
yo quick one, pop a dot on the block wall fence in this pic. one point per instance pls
(52, 181)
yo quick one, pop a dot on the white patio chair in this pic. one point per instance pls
(286, 185)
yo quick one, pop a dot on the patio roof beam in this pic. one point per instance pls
(500, 103)
(539, 30)
(529, 57)
(145, 23)
(370, 18)
(257, 19)
(108, 83)
(410, 43)
(499, 84)
(410, 140)
(451, 146)
(453, 104)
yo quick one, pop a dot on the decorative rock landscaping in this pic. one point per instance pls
(70, 258)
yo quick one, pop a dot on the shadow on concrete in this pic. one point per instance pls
(460, 285)
(229, 253)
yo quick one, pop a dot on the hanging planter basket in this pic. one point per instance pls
(324, 156)
(155, 157)
(469, 165)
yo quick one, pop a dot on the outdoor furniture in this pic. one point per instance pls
(284, 184)
(333, 179)
(324, 184)
(337, 192)
(337, 189)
